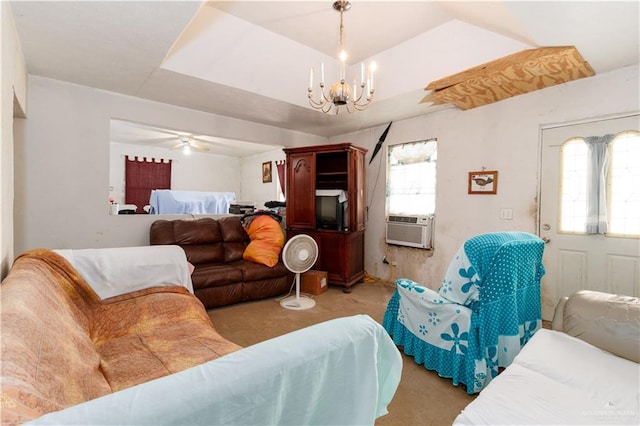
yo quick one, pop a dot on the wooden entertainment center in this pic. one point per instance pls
(329, 169)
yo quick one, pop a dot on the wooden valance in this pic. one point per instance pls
(513, 75)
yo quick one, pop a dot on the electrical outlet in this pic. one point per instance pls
(394, 263)
(506, 214)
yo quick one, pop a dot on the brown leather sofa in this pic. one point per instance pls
(215, 247)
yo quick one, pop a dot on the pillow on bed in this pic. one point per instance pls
(267, 240)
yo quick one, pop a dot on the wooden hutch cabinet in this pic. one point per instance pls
(329, 169)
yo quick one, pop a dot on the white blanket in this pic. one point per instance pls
(165, 201)
(340, 372)
(559, 380)
(114, 271)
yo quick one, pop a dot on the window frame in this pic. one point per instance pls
(432, 158)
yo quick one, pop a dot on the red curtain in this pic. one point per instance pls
(281, 171)
(142, 176)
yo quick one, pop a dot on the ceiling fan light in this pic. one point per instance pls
(186, 150)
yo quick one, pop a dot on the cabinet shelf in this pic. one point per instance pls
(345, 174)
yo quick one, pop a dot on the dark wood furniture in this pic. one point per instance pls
(329, 167)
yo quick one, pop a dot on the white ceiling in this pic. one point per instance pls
(250, 59)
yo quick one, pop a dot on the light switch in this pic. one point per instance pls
(506, 214)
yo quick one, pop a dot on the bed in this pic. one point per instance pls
(167, 201)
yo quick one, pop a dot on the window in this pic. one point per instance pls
(411, 178)
(600, 185)
(624, 185)
(573, 192)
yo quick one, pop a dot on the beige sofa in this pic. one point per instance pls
(152, 355)
(584, 371)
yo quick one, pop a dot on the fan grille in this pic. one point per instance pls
(300, 253)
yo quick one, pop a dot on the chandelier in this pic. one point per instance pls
(341, 93)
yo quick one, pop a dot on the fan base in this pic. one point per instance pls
(297, 303)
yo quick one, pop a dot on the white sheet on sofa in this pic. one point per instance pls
(558, 379)
(115, 271)
(340, 372)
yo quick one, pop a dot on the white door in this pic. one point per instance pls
(575, 261)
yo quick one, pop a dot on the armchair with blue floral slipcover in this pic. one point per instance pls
(486, 309)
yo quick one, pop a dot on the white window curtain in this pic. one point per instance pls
(411, 178)
(598, 148)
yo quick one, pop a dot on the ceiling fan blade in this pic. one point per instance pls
(160, 140)
(177, 146)
(198, 146)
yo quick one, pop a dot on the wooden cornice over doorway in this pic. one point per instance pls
(513, 75)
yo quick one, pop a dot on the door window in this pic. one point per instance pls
(600, 185)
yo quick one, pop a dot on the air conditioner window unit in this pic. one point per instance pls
(410, 231)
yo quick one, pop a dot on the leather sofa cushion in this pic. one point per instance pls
(215, 275)
(234, 236)
(256, 271)
(200, 239)
(202, 231)
(204, 253)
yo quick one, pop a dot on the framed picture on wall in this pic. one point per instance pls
(266, 172)
(483, 182)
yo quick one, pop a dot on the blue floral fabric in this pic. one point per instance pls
(486, 309)
(460, 283)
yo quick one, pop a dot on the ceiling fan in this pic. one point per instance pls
(187, 144)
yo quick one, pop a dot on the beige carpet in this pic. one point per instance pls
(423, 398)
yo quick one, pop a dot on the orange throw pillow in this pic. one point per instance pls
(267, 240)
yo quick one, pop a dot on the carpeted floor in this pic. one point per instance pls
(423, 398)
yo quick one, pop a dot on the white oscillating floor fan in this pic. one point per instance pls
(299, 255)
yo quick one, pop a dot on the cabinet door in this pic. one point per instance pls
(357, 189)
(301, 191)
(333, 256)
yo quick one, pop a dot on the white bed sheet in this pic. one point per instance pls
(559, 380)
(114, 271)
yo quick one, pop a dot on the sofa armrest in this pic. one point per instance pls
(557, 323)
(343, 371)
(608, 321)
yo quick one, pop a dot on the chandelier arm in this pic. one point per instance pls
(349, 107)
(361, 107)
(316, 105)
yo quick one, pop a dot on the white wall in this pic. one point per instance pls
(253, 189)
(62, 162)
(504, 136)
(13, 81)
(194, 172)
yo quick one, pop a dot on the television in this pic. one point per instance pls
(331, 209)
